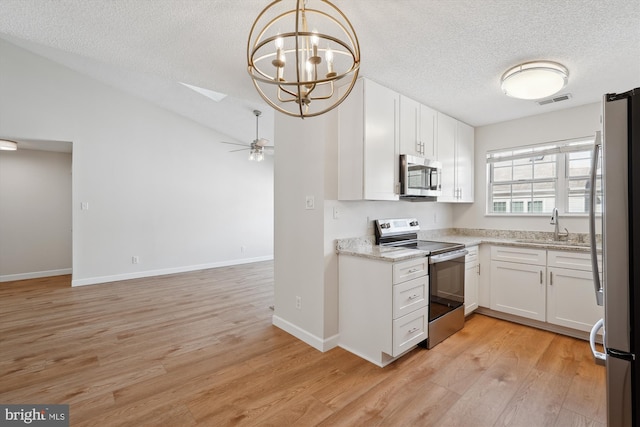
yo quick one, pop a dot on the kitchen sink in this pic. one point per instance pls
(574, 243)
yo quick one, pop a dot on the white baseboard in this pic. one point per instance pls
(164, 271)
(314, 341)
(35, 275)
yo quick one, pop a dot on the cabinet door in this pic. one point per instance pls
(410, 127)
(470, 287)
(446, 156)
(368, 143)
(471, 279)
(464, 162)
(428, 127)
(518, 289)
(381, 164)
(570, 299)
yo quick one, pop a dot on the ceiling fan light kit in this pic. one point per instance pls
(296, 56)
(534, 80)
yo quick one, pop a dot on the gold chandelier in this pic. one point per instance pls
(285, 57)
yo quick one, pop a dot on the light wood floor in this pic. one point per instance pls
(199, 349)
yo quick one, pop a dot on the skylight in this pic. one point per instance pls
(216, 96)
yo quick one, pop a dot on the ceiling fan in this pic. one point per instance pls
(258, 147)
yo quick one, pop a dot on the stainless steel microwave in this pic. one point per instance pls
(419, 177)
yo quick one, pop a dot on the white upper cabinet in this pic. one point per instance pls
(455, 149)
(417, 129)
(368, 143)
(376, 125)
(464, 162)
(446, 156)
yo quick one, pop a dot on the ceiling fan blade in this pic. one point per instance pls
(241, 149)
(235, 143)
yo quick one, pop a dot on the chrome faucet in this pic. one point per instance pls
(555, 220)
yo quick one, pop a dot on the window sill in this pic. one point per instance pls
(538, 215)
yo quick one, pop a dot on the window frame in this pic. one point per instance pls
(561, 149)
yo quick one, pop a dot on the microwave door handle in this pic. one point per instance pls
(592, 221)
(435, 183)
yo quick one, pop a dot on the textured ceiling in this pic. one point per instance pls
(448, 54)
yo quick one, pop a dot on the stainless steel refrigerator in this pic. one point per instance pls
(619, 291)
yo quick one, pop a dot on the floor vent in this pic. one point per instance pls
(555, 99)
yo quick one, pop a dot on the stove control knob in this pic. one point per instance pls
(413, 223)
(385, 225)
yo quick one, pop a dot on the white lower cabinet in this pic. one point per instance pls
(518, 289)
(471, 280)
(535, 284)
(571, 300)
(383, 306)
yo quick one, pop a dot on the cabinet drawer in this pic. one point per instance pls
(521, 255)
(472, 256)
(572, 260)
(409, 330)
(410, 295)
(407, 270)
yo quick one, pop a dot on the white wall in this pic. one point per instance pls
(564, 124)
(158, 186)
(35, 214)
(299, 268)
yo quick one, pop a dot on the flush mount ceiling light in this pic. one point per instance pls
(534, 80)
(8, 145)
(296, 56)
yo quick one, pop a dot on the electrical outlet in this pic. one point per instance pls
(135, 260)
(310, 202)
(336, 212)
(242, 249)
(298, 303)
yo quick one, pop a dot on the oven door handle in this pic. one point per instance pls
(447, 256)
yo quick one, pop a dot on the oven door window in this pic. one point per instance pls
(447, 287)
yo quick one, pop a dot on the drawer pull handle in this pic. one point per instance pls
(414, 296)
(413, 270)
(551, 278)
(541, 277)
(412, 330)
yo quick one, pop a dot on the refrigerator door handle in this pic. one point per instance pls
(629, 357)
(598, 356)
(592, 221)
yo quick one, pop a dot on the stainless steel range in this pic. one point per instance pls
(446, 275)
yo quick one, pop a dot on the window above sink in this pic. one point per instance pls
(535, 179)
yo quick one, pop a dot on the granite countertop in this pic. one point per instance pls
(366, 247)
